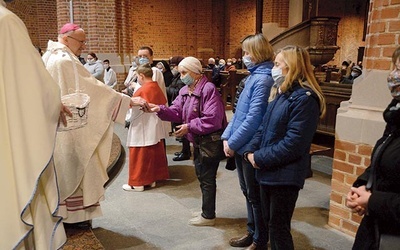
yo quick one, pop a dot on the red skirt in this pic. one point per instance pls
(147, 164)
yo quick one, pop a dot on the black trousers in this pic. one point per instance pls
(278, 203)
(206, 173)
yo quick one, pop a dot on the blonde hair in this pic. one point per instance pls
(300, 69)
(258, 47)
(145, 69)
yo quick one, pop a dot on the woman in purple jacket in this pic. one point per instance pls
(200, 110)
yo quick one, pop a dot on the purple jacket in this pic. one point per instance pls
(186, 109)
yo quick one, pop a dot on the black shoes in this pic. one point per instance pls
(244, 241)
(181, 157)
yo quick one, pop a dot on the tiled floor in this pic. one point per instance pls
(157, 218)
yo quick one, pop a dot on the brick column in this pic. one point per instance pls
(359, 121)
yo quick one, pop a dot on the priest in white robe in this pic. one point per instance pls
(29, 112)
(82, 155)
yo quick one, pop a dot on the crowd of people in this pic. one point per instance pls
(269, 136)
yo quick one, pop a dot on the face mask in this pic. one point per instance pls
(187, 80)
(174, 72)
(276, 73)
(354, 74)
(143, 60)
(394, 84)
(90, 60)
(247, 61)
(229, 64)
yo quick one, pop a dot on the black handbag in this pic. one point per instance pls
(210, 146)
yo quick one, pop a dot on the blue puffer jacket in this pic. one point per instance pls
(251, 107)
(282, 143)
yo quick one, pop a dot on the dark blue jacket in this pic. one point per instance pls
(282, 143)
(251, 107)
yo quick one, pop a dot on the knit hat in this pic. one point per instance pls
(192, 64)
(69, 27)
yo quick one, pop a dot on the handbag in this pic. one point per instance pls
(230, 164)
(210, 146)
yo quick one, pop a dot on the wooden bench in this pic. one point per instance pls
(315, 149)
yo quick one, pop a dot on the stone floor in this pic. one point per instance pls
(157, 218)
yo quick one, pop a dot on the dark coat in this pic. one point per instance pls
(173, 89)
(282, 143)
(384, 202)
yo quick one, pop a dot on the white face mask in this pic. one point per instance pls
(247, 61)
(276, 73)
(90, 60)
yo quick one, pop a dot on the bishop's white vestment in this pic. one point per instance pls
(81, 156)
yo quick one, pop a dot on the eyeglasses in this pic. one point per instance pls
(82, 42)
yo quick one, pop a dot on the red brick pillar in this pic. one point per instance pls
(359, 121)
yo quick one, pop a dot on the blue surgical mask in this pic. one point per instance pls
(187, 80)
(247, 61)
(354, 74)
(276, 73)
(143, 60)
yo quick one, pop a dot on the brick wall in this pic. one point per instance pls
(351, 157)
(173, 27)
(177, 27)
(46, 22)
(240, 22)
(276, 11)
(40, 18)
(383, 33)
(350, 160)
